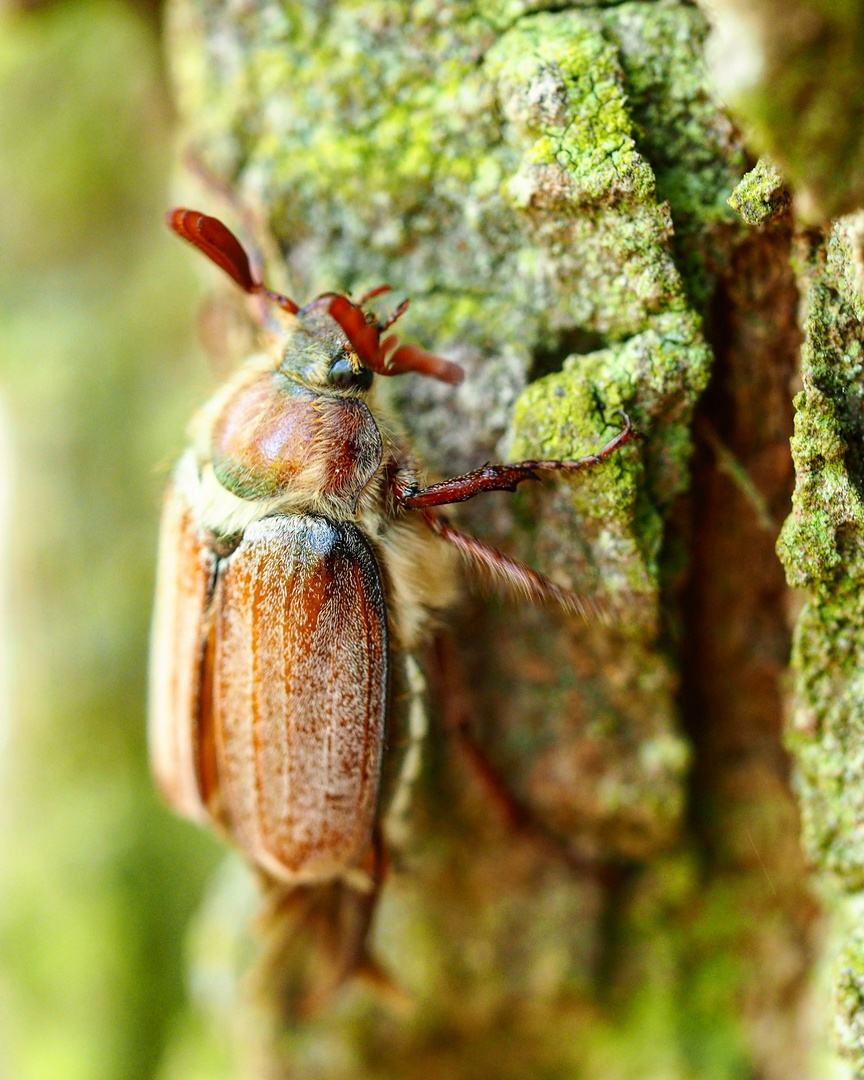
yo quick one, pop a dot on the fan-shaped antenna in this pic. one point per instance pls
(222, 247)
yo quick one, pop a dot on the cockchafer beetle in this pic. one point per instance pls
(298, 550)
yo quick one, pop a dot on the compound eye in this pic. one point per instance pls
(343, 376)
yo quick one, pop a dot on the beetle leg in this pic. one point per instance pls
(513, 575)
(515, 815)
(508, 477)
(395, 825)
(397, 313)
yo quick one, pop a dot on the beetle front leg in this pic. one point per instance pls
(505, 477)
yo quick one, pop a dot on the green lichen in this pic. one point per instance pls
(525, 223)
(604, 531)
(849, 990)
(695, 151)
(655, 376)
(503, 13)
(586, 194)
(826, 730)
(827, 504)
(561, 86)
(845, 258)
(822, 546)
(761, 195)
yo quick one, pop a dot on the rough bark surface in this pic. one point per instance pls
(551, 189)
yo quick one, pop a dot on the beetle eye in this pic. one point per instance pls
(343, 376)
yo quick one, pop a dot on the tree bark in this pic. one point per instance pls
(551, 189)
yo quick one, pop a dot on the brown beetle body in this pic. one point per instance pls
(271, 654)
(291, 571)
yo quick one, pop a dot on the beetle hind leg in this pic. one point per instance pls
(515, 815)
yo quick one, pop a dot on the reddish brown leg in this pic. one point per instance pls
(397, 313)
(507, 477)
(453, 693)
(379, 291)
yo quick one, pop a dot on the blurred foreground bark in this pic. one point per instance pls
(551, 189)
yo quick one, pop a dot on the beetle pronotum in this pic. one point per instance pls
(298, 549)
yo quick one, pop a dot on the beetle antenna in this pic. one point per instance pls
(365, 339)
(366, 297)
(400, 310)
(222, 247)
(397, 314)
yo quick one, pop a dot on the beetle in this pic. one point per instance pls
(299, 552)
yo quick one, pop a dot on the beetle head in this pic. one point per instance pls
(339, 345)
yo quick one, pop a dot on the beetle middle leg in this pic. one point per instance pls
(395, 826)
(511, 574)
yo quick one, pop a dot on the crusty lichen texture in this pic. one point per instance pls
(821, 547)
(792, 71)
(762, 195)
(550, 187)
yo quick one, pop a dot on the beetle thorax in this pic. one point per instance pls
(273, 442)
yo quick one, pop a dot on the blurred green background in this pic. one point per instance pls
(99, 375)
